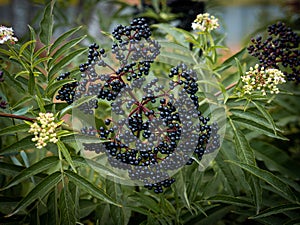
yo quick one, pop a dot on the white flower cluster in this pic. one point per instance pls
(44, 130)
(205, 22)
(262, 80)
(7, 34)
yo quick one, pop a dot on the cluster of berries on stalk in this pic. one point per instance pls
(280, 50)
(156, 126)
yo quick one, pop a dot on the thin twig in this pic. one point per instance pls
(16, 116)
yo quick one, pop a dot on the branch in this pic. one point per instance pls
(16, 117)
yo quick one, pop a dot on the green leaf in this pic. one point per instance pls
(46, 23)
(252, 116)
(23, 110)
(231, 200)
(81, 139)
(43, 165)
(5, 52)
(14, 129)
(242, 146)
(63, 62)
(146, 201)
(38, 191)
(276, 159)
(52, 208)
(276, 210)
(64, 48)
(22, 101)
(87, 186)
(63, 37)
(31, 83)
(268, 177)
(61, 147)
(9, 169)
(25, 45)
(266, 114)
(67, 207)
(258, 127)
(86, 207)
(23, 144)
(182, 190)
(239, 66)
(173, 54)
(101, 169)
(37, 62)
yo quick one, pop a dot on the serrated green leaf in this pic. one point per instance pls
(268, 177)
(239, 66)
(252, 116)
(23, 72)
(87, 186)
(216, 216)
(61, 147)
(39, 52)
(22, 101)
(63, 37)
(23, 144)
(252, 125)
(46, 24)
(266, 114)
(146, 201)
(31, 83)
(231, 200)
(242, 146)
(276, 159)
(38, 191)
(173, 54)
(103, 170)
(23, 110)
(276, 210)
(25, 45)
(43, 165)
(14, 129)
(37, 62)
(82, 139)
(63, 62)
(9, 169)
(64, 48)
(52, 208)
(182, 190)
(5, 52)
(67, 207)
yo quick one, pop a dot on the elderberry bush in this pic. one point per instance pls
(280, 50)
(156, 126)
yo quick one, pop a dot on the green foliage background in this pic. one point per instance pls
(254, 178)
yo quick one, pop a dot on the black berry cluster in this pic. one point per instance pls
(67, 91)
(280, 50)
(156, 126)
